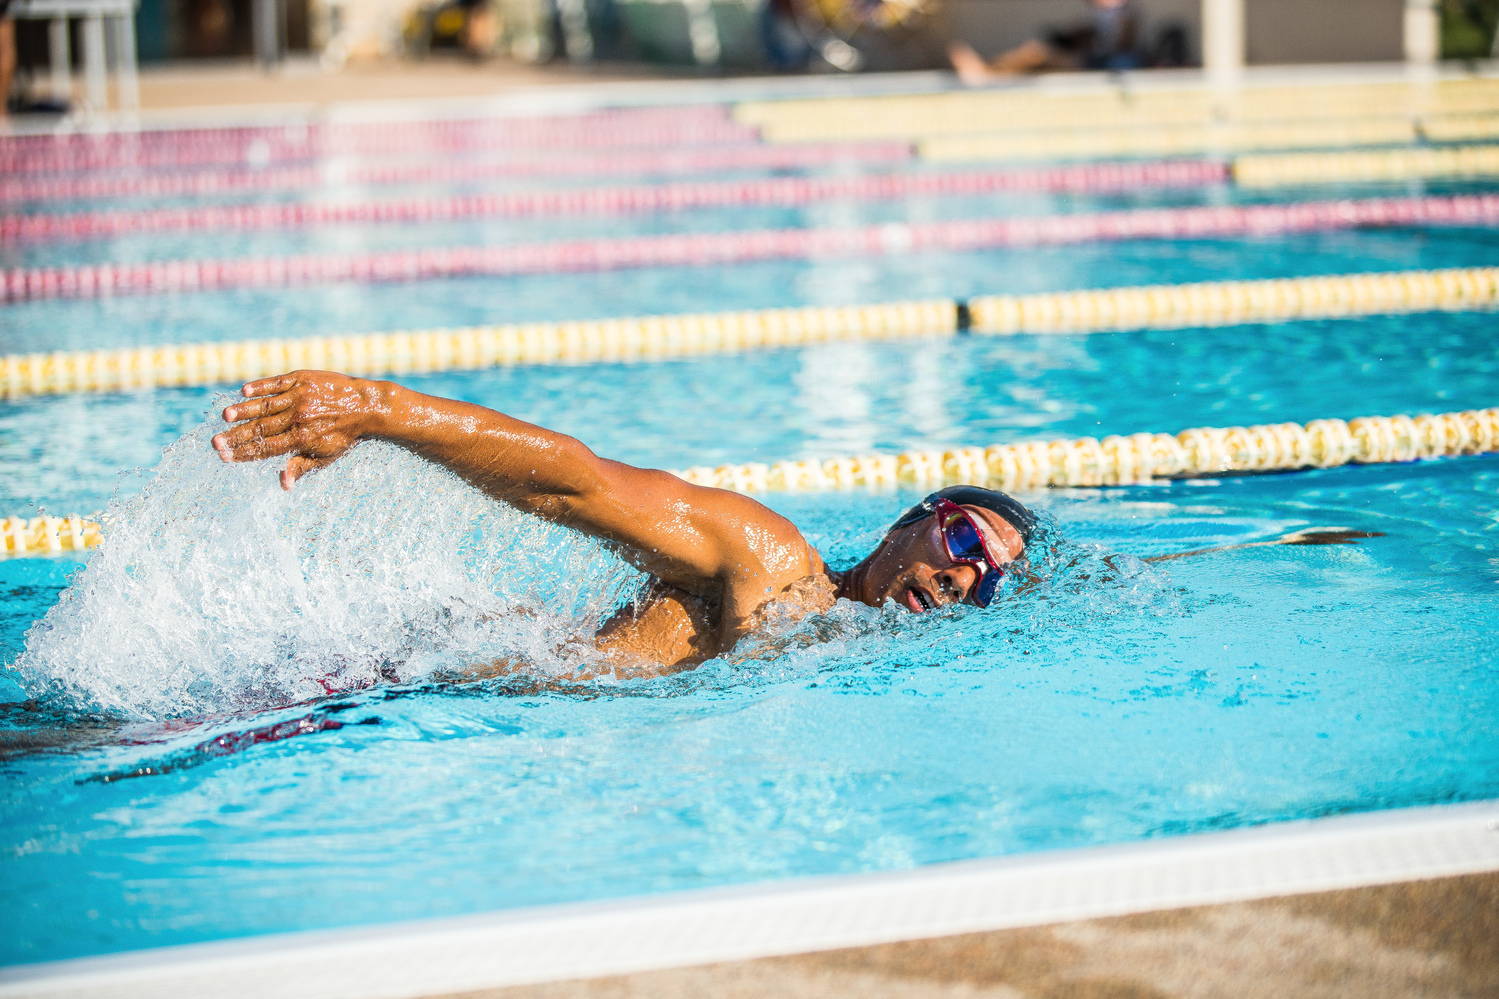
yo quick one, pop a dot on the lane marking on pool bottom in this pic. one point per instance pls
(1246, 171)
(474, 953)
(652, 338)
(718, 249)
(1085, 461)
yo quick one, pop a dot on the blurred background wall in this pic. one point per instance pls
(752, 35)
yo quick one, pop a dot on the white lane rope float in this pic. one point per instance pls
(1080, 462)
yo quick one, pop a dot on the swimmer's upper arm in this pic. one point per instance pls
(680, 532)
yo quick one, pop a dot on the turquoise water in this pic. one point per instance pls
(183, 777)
(1242, 688)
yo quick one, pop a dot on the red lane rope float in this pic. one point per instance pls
(103, 280)
(681, 160)
(263, 146)
(618, 200)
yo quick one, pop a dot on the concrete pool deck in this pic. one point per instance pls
(1427, 938)
(206, 92)
(303, 83)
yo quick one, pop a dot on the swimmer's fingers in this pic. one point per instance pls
(271, 386)
(257, 446)
(299, 466)
(230, 443)
(256, 408)
(312, 415)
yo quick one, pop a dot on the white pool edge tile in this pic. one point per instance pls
(586, 940)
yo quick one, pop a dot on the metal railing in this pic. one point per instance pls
(108, 41)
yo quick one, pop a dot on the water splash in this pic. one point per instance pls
(214, 590)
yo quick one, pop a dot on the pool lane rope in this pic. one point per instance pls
(545, 166)
(715, 249)
(1246, 171)
(957, 113)
(1129, 459)
(1081, 462)
(1218, 303)
(1222, 139)
(259, 147)
(1250, 170)
(618, 200)
(1367, 165)
(47, 535)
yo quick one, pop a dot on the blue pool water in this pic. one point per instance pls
(138, 808)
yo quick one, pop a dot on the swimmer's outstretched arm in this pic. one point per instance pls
(686, 535)
(1309, 536)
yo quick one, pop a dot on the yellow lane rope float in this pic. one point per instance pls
(47, 535)
(627, 339)
(655, 338)
(1227, 303)
(1306, 100)
(1267, 170)
(1086, 461)
(1463, 128)
(957, 113)
(1147, 141)
(1130, 459)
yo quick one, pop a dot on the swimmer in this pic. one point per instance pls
(718, 561)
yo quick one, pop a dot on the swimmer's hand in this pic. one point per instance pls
(313, 416)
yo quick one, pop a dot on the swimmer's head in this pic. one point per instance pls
(952, 547)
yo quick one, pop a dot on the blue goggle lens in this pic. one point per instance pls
(965, 545)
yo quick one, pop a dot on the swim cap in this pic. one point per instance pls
(1011, 509)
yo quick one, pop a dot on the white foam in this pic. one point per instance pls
(216, 590)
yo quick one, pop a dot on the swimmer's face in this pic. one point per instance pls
(911, 566)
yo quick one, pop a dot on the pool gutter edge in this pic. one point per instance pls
(587, 940)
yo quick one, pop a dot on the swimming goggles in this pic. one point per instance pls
(965, 544)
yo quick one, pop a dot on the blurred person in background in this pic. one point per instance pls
(1108, 39)
(7, 56)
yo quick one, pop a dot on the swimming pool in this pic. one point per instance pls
(1234, 690)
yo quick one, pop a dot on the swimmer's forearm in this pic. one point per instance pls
(508, 458)
(316, 416)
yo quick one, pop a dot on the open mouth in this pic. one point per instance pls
(918, 601)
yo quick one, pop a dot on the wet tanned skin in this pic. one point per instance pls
(717, 557)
